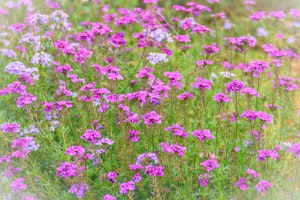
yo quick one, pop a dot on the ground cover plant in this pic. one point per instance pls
(149, 100)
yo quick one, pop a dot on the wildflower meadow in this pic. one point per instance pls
(149, 99)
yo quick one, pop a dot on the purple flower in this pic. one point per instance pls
(185, 95)
(182, 38)
(203, 135)
(25, 99)
(203, 180)
(202, 84)
(66, 170)
(241, 183)
(295, 149)
(154, 170)
(79, 189)
(262, 186)
(10, 128)
(210, 49)
(146, 158)
(109, 197)
(249, 91)
(234, 86)
(111, 176)
(253, 115)
(125, 187)
(221, 98)
(264, 154)
(174, 78)
(210, 164)
(253, 173)
(173, 148)
(155, 58)
(133, 135)
(201, 63)
(177, 130)
(77, 151)
(136, 177)
(257, 16)
(152, 118)
(91, 136)
(18, 184)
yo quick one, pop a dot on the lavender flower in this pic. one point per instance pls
(262, 186)
(241, 183)
(203, 135)
(151, 118)
(203, 179)
(155, 58)
(18, 184)
(210, 164)
(79, 189)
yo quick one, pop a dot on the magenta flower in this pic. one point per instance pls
(132, 135)
(79, 189)
(185, 95)
(234, 86)
(10, 128)
(177, 130)
(66, 170)
(241, 183)
(173, 148)
(77, 151)
(111, 176)
(203, 180)
(221, 98)
(25, 99)
(109, 197)
(91, 136)
(203, 135)
(202, 84)
(210, 164)
(253, 173)
(295, 149)
(127, 186)
(182, 38)
(262, 186)
(154, 170)
(152, 118)
(264, 154)
(18, 184)
(257, 16)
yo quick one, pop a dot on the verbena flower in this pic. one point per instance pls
(127, 186)
(210, 164)
(109, 197)
(155, 58)
(173, 148)
(241, 183)
(18, 184)
(152, 118)
(154, 170)
(79, 189)
(77, 151)
(111, 176)
(234, 86)
(221, 98)
(10, 127)
(202, 84)
(203, 179)
(203, 135)
(253, 173)
(91, 136)
(262, 186)
(67, 169)
(177, 130)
